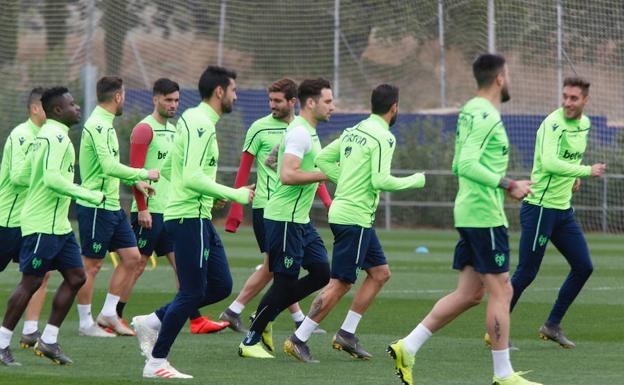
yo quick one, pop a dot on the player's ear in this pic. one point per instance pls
(219, 92)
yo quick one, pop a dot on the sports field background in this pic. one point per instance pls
(456, 355)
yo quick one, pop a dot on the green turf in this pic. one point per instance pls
(455, 355)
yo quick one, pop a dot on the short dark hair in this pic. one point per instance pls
(34, 96)
(383, 97)
(107, 86)
(51, 98)
(212, 78)
(577, 81)
(486, 68)
(164, 86)
(311, 88)
(286, 86)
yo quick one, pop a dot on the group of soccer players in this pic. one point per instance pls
(173, 176)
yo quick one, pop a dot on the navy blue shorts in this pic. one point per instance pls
(355, 247)
(11, 241)
(103, 230)
(201, 262)
(41, 253)
(292, 246)
(152, 240)
(258, 228)
(486, 249)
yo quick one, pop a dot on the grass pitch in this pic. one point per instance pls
(455, 355)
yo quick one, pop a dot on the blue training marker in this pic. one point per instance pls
(422, 250)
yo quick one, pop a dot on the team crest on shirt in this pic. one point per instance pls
(555, 126)
(200, 132)
(60, 138)
(391, 142)
(347, 151)
(21, 140)
(99, 129)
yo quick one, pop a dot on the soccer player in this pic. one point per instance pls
(482, 253)
(105, 227)
(12, 196)
(48, 240)
(201, 262)
(359, 163)
(559, 147)
(150, 143)
(262, 138)
(291, 239)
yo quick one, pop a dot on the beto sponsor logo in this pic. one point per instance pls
(572, 155)
(162, 155)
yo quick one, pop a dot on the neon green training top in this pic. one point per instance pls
(263, 135)
(192, 167)
(159, 148)
(480, 161)
(559, 147)
(359, 163)
(49, 169)
(12, 194)
(99, 160)
(292, 203)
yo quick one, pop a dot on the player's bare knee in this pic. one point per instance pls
(382, 275)
(31, 283)
(93, 266)
(76, 280)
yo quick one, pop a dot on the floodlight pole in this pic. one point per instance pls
(491, 27)
(336, 85)
(221, 32)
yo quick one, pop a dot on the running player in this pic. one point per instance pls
(12, 196)
(49, 242)
(105, 227)
(359, 163)
(262, 138)
(560, 143)
(482, 253)
(291, 239)
(201, 262)
(150, 143)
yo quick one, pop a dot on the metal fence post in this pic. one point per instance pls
(442, 54)
(491, 27)
(605, 204)
(387, 210)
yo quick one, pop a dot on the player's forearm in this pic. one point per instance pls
(297, 177)
(61, 186)
(558, 167)
(197, 181)
(475, 171)
(387, 182)
(112, 167)
(327, 160)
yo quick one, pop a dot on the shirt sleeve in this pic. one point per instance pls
(468, 164)
(297, 142)
(551, 141)
(17, 161)
(252, 142)
(327, 160)
(381, 162)
(140, 140)
(110, 165)
(193, 176)
(56, 182)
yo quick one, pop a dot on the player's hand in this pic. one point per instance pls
(598, 169)
(520, 189)
(145, 219)
(153, 175)
(219, 204)
(252, 193)
(577, 185)
(145, 188)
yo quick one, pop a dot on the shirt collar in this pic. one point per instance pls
(56, 123)
(32, 126)
(208, 110)
(379, 120)
(103, 114)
